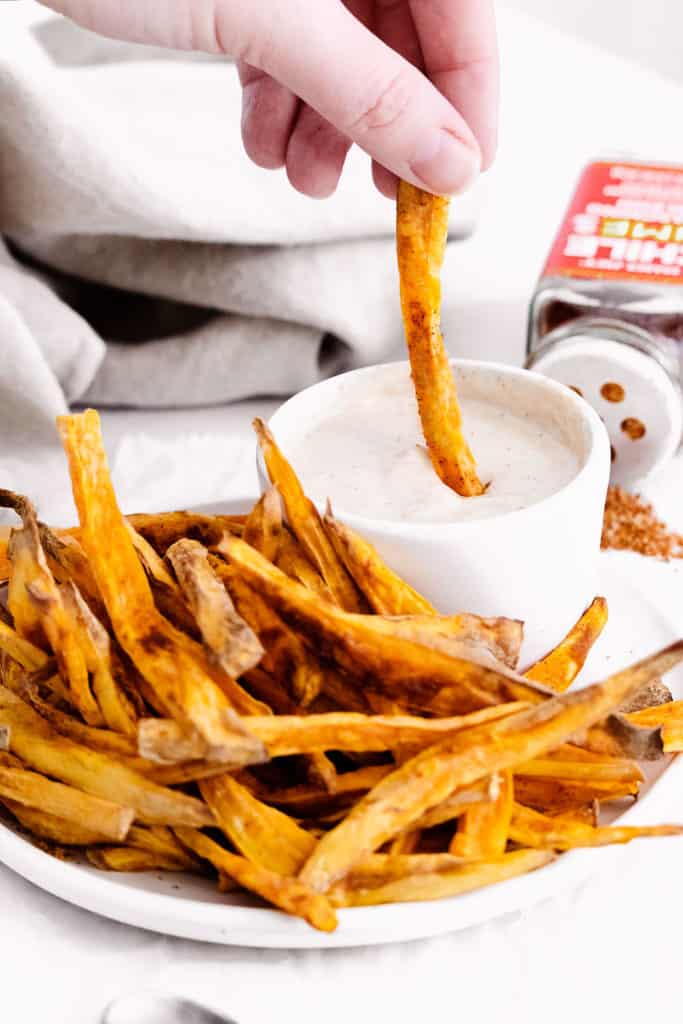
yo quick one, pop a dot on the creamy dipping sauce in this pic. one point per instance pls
(366, 454)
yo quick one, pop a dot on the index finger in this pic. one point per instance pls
(459, 47)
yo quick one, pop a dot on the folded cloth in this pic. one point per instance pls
(147, 262)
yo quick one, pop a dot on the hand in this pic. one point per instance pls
(413, 82)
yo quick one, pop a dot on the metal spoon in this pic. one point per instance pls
(144, 1008)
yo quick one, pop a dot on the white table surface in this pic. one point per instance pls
(607, 951)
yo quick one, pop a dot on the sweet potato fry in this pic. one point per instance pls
(293, 562)
(561, 666)
(454, 806)
(671, 711)
(560, 795)
(125, 858)
(163, 740)
(421, 232)
(5, 568)
(462, 636)
(230, 642)
(619, 737)
(262, 834)
(68, 563)
(36, 604)
(162, 840)
(93, 640)
(305, 521)
(381, 868)
(356, 643)
(167, 595)
(442, 885)
(106, 740)
(530, 828)
(162, 529)
(672, 736)
(397, 801)
(55, 830)
(263, 528)
(173, 665)
(483, 829)
(33, 790)
(589, 773)
(304, 800)
(287, 893)
(29, 656)
(286, 657)
(43, 749)
(4, 738)
(384, 590)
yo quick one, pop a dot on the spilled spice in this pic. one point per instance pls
(631, 524)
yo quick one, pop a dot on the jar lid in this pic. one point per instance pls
(636, 398)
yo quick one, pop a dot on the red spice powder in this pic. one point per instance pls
(630, 524)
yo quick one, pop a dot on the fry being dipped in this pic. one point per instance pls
(421, 233)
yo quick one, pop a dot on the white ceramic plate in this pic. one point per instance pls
(192, 908)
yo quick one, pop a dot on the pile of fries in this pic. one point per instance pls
(261, 698)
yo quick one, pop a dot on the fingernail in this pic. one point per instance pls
(446, 165)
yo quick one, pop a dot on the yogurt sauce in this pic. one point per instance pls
(367, 455)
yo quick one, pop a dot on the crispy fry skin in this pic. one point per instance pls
(462, 636)
(530, 828)
(110, 742)
(123, 858)
(167, 595)
(109, 819)
(68, 563)
(29, 656)
(46, 751)
(659, 715)
(93, 640)
(172, 663)
(162, 529)
(364, 646)
(230, 641)
(262, 834)
(421, 233)
(305, 521)
(440, 885)
(36, 604)
(592, 773)
(287, 893)
(161, 839)
(483, 829)
(672, 737)
(430, 777)
(385, 591)
(56, 830)
(561, 666)
(286, 656)
(263, 528)
(293, 562)
(163, 740)
(559, 795)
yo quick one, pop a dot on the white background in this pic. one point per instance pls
(609, 951)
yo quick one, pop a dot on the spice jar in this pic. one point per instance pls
(606, 318)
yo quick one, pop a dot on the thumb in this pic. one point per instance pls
(366, 89)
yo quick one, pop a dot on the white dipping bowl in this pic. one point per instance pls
(537, 564)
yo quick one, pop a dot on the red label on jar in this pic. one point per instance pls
(625, 223)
